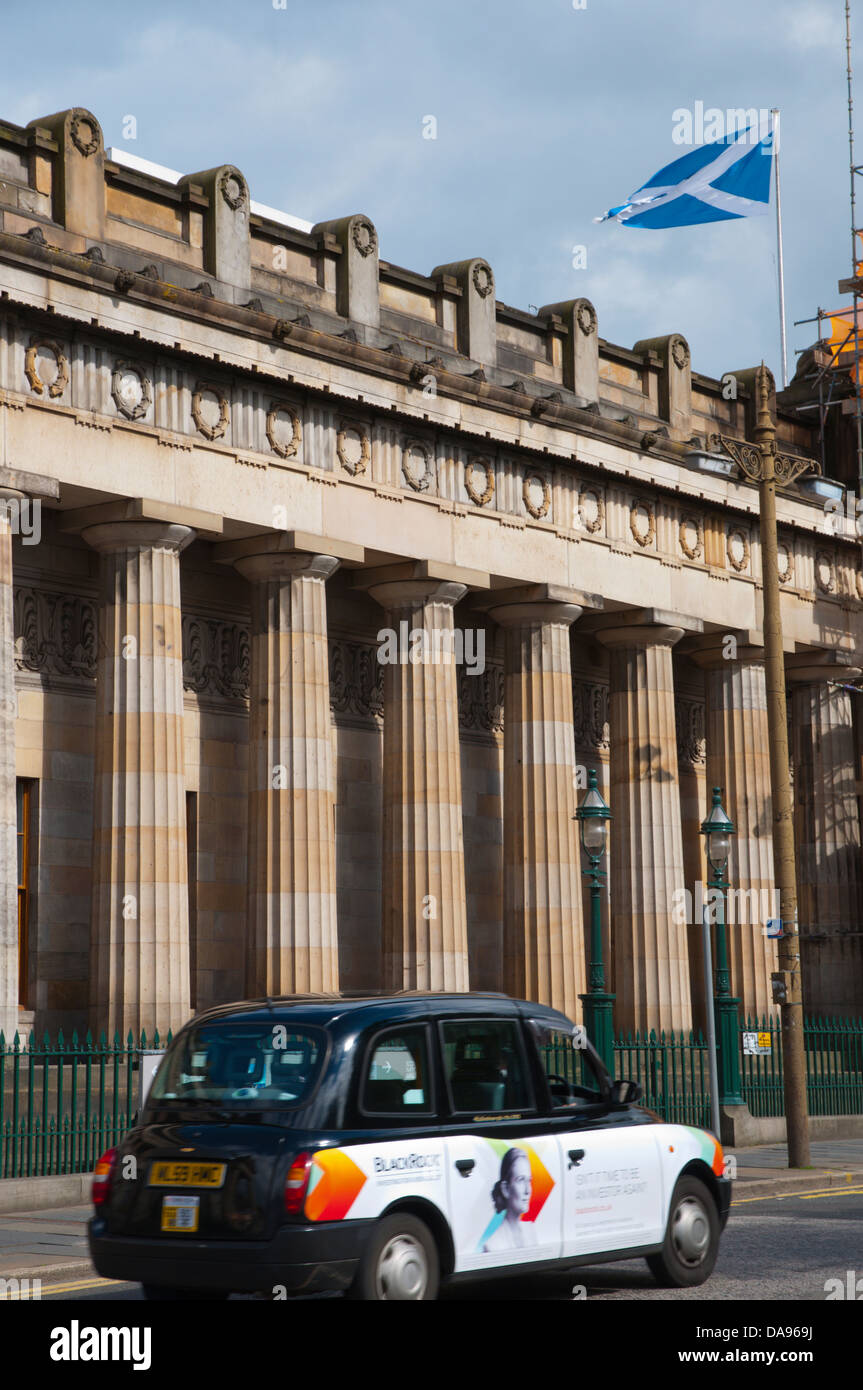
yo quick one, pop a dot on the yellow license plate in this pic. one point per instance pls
(180, 1213)
(187, 1174)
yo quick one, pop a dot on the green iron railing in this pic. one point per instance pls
(63, 1103)
(834, 1067)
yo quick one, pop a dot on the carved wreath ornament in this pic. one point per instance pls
(285, 448)
(131, 390)
(687, 524)
(233, 189)
(537, 510)
(217, 430)
(785, 552)
(353, 463)
(479, 498)
(483, 280)
(737, 562)
(642, 538)
(416, 450)
(824, 576)
(48, 348)
(595, 523)
(364, 237)
(585, 317)
(84, 133)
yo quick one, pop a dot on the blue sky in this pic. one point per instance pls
(546, 116)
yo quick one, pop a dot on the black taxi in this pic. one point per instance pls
(383, 1144)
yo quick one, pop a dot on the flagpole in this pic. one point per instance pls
(775, 114)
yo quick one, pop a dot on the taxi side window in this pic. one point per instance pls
(485, 1066)
(397, 1078)
(572, 1082)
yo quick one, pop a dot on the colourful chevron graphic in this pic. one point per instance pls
(541, 1180)
(334, 1186)
(711, 1149)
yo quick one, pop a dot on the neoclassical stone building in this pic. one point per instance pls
(235, 448)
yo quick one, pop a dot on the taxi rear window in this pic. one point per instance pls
(249, 1065)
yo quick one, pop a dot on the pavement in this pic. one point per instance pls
(49, 1243)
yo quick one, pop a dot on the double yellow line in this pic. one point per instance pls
(47, 1290)
(824, 1192)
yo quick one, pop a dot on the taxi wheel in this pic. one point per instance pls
(691, 1238)
(400, 1262)
(163, 1293)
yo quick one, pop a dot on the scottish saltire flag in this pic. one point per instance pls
(712, 183)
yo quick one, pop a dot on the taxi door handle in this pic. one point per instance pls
(465, 1166)
(575, 1157)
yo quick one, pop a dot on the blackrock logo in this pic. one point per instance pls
(407, 1163)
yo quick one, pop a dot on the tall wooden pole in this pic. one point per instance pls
(788, 991)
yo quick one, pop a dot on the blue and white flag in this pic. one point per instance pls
(715, 182)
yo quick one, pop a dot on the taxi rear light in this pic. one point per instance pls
(103, 1177)
(297, 1183)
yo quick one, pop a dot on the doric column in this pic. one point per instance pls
(543, 935)
(292, 933)
(424, 928)
(738, 761)
(827, 833)
(651, 967)
(139, 947)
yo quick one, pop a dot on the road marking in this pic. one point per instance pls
(61, 1288)
(823, 1192)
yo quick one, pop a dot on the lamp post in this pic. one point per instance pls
(717, 830)
(762, 463)
(593, 816)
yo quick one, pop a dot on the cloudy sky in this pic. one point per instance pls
(546, 115)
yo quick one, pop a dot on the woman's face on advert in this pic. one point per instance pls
(518, 1189)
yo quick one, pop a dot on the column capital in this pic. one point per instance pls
(208, 524)
(640, 635)
(530, 604)
(114, 536)
(811, 668)
(412, 593)
(287, 543)
(537, 612)
(275, 565)
(710, 652)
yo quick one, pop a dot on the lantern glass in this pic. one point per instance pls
(718, 848)
(593, 833)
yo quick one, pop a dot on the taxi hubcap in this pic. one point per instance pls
(402, 1269)
(690, 1231)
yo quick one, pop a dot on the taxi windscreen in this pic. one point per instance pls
(248, 1064)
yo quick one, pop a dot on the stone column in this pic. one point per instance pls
(8, 804)
(827, 832)
(544, 955)
(738, 761)
(292, 934)
(651, 966)
(424, 928)
(139, 947)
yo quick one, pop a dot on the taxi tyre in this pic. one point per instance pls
(400, 1262)
(689, 1250)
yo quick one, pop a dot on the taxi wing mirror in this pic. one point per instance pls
(625, 1092)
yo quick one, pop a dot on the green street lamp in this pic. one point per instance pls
(593, 816)
(717, 830)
